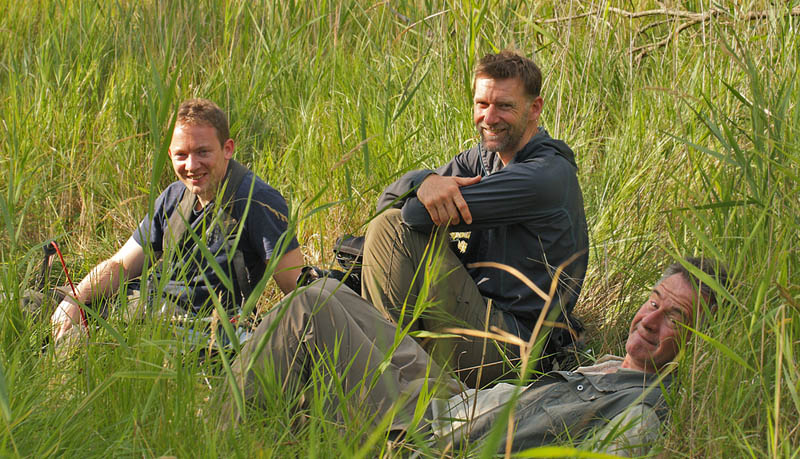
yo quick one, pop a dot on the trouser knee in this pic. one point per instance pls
(389, 241)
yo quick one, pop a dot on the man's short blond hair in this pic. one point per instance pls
(204, 112)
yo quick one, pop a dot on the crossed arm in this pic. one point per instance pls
(517, 193)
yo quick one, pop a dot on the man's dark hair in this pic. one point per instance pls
(509, 64)
(204, 112)
(715, 269)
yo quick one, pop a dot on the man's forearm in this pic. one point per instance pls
(102, 280)
(395, 194)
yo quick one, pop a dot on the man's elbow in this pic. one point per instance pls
(288, 270)
(416, 216)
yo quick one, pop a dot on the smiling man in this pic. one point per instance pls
(619, 399)
(517, 193)
(655, 334)
(214, 198)
(616, 405)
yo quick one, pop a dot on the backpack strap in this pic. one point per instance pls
(177, 224)
(240, 270)
(234, 178)
(236, 174)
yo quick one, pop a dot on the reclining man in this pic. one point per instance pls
(517, 194)
(386, 376)
(212, 200)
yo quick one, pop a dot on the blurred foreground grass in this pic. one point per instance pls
(685, 127)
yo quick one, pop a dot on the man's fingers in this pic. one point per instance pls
(463, 209)
(433, 213)
(451, 211)
(441, 196)
(467, 181)
(65, 314)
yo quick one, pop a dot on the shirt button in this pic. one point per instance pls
(580, 387)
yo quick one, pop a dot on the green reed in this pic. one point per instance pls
(691, 149)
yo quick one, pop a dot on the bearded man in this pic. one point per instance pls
(517, 194)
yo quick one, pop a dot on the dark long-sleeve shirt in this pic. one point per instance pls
(528, 215)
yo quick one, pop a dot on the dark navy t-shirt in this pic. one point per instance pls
(265, 222)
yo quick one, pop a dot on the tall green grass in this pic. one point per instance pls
(692, 149)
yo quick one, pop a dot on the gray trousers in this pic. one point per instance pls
(380, 370)
(418, 282)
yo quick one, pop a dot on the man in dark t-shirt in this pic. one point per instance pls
(263, 222)
(190, 222)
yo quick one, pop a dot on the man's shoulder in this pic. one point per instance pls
(542, 147)
(466, 163)
(256, 191)
(260, 188)
(171, 195)
(472, 154)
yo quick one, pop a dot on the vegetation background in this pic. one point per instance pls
(683, 113)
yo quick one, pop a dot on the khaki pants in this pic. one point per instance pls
(326, 319)
(414, 278)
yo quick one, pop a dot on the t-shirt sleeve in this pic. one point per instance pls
(150, 231)
(266, 221)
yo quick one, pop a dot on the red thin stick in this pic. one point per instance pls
(74, 293)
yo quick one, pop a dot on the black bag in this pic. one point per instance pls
(349, 253)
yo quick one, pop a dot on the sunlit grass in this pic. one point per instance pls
(692, 149)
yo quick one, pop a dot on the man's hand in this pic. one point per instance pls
(67, 314)
(441, 196)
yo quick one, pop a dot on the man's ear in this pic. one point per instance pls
(536, 108)
(228, 148)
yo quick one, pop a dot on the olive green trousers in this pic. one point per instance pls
(328, 330)
(419, 283)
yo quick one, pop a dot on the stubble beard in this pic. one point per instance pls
(508, 139)
(501, 143)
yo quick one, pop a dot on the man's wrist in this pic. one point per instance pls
(69, 298)
(420, 177)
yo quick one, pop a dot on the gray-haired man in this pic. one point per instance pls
(386, 374)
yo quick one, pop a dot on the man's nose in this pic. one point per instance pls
(190, 162)
(652, 319)
(490, 115)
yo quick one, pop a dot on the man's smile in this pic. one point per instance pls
(494, 131)
(651, 341)
(195, 179)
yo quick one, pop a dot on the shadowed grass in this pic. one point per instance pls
(693, 149)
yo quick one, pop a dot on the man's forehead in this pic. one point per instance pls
(191, 122)
(678, 293)
(486, 79)
(184, 126)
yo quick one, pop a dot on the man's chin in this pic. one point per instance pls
(197, 190)
(493, 145)
(639, 345)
